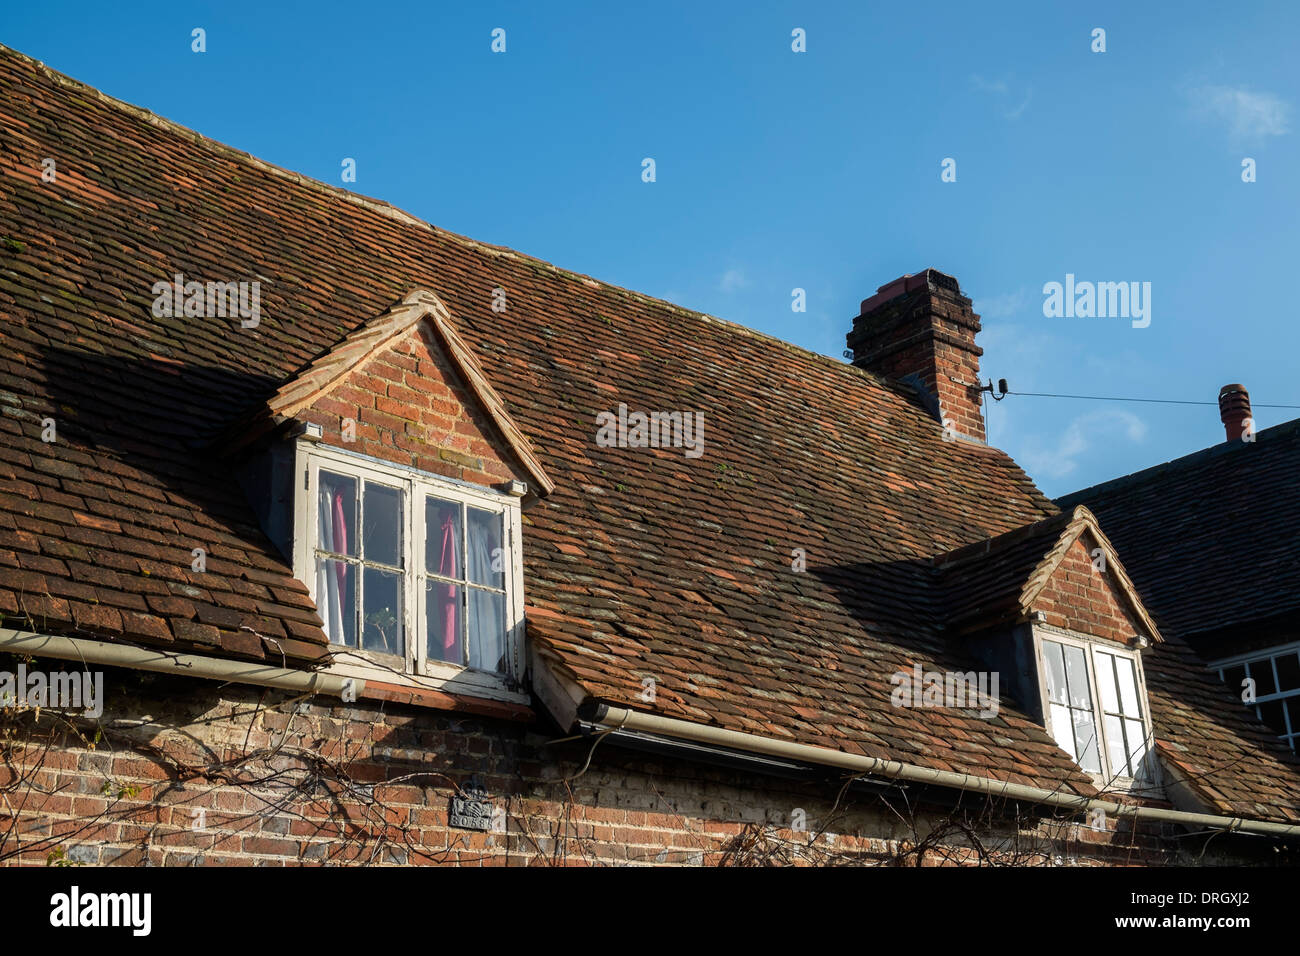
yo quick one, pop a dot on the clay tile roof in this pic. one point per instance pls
(640, 563)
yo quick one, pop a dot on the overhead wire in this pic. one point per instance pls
(1158, 401)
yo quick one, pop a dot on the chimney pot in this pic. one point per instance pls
(1234, 410)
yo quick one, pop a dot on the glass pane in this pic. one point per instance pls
(1054, 674)
(1262, 671)
(1233, 676)
(487, 630)
(1076, 676)
(382, 614)
(1106, 682)
(1085, 732)
(1116, 753)
(1128, 688)
(1293, 710)
(1063, 729)
(1288, 671)
(443, 620)
(486, 557)
(336, 514)
(383, 525)
(1271, 713)
(336, 600)
(1136, 735)
(442, 538)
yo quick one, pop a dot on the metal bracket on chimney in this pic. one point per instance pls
(1000, 394)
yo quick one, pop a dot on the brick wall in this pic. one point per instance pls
(1082, 599)
(282, 781)
(411, 408)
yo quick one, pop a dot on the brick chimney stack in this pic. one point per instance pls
(921, 330)
(1234, 410)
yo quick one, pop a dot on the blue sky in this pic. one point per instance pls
(818, 170)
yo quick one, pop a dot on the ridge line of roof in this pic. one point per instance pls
(385, 208)
(946, 560)
(1201, 454)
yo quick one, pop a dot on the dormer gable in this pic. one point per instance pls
(405, 388)
(1063, 566)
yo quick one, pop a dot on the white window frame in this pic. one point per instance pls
(1108, 778)
(1249, 661)
(413, 669)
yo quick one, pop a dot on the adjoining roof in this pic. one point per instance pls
(1211, 539)
(1213, 745)
(371, 339)
(641, 563)
(1001, 577)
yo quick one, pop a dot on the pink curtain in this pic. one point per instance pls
(332, 576)
(340, 540)
(447, 568)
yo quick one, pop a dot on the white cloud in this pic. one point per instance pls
(988, 86)
(1023, 352)
(1248, 115)
(1005, 93)
(732, 280)
(1058, 458)
(1001, 306)
(1015, 112)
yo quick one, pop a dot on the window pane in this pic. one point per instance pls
(1136, 735)
(1262, 671)
(1288, 671)
(1233, 676)
(1106, 682)
(1116, 753)
(487, 630)
(382, 616)
(1128, 693)
(1085, 732)
(1293, 710)
(1054, 673)
(1271, 713)
(336, 515)
(486, 558)
(445, 635)
(383, 525)
(1063, 729)
(1076, 676)
(442, 538)
(336, 600)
